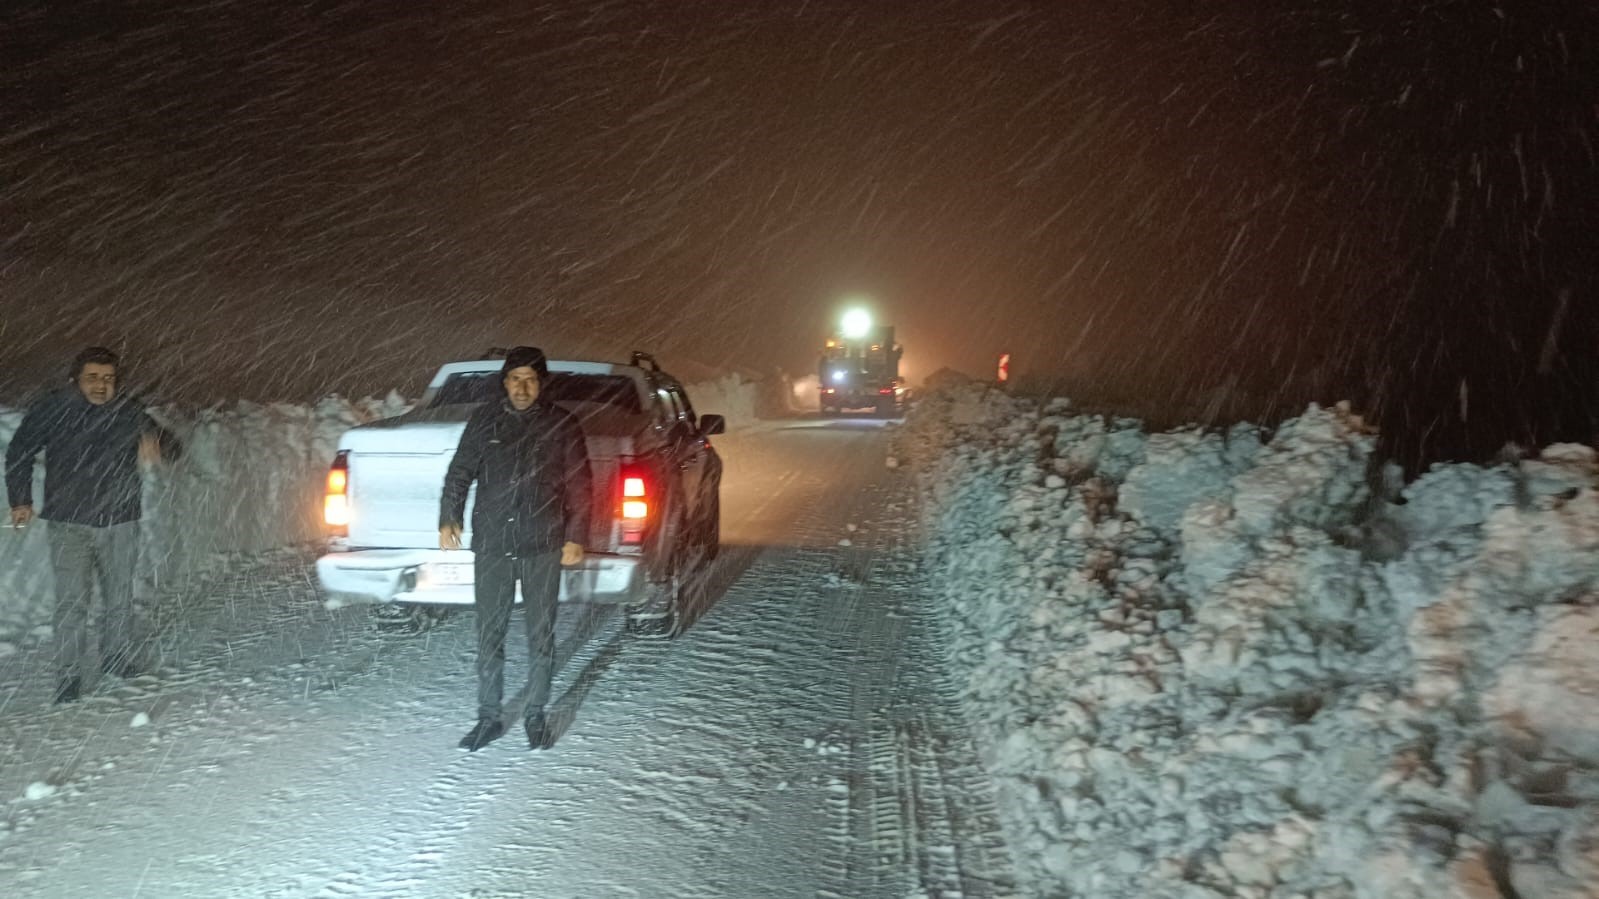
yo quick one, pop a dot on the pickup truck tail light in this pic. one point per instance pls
(336, 502)
(633, 509)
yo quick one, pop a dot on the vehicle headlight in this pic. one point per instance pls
(857, 323)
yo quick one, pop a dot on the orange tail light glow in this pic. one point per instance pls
(336, 502)
(634, 508)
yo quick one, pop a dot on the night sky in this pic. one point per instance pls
(1387, 202)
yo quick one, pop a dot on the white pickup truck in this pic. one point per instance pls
(657, 481)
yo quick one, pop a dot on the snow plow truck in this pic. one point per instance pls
(859, 367)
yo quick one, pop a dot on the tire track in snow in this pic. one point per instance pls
(900, 821)
(919, 826)
(948, 756)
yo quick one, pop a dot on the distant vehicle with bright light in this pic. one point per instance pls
(656, 511)
(859, 367)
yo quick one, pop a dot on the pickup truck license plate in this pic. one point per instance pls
(448, 573)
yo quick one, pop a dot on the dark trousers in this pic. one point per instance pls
(82, 556)
(496, 578)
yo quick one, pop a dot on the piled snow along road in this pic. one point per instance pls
(1207, 664)
(251, 479)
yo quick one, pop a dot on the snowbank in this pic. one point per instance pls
(1206, 664)
(731, 396)
(251, 479)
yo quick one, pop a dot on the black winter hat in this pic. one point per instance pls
(529, 356)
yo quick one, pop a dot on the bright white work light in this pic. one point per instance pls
(857, 323)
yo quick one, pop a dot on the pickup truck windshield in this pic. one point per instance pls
(561, 387)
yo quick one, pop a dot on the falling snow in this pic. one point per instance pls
(1191, 207)
(1292, 597)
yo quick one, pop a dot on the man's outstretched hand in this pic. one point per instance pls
(572, 554)
(21, 516)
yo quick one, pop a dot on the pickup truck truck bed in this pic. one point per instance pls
(656, 487)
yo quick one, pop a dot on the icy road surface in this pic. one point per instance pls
(797, 741)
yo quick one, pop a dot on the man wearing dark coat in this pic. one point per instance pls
(530, 517)
(94, 440)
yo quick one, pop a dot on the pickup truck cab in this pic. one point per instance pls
(656, 499)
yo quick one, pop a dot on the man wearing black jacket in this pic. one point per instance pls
(530, 517)
(93, 441)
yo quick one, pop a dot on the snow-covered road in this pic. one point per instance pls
(799, 740)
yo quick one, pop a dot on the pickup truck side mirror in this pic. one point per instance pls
(712, 424)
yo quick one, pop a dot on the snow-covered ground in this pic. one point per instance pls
(798, 741)
(1213, 665)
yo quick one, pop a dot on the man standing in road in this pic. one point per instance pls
(530, 517)
(94, 442)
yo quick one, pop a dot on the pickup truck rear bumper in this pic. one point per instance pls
(436, 576)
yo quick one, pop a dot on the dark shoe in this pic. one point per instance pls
(484, 732)
(68, 690)
(539, 733)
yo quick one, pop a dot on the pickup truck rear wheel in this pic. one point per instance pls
(678, 597)
(667, 622)
(409, 618)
